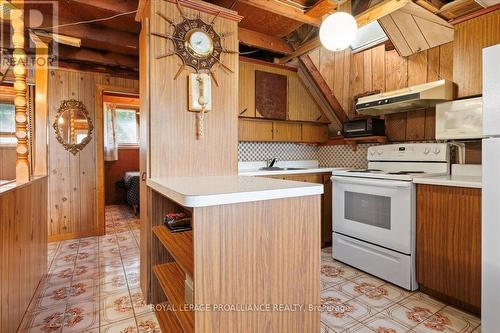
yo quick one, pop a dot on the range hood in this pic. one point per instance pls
(408, 99)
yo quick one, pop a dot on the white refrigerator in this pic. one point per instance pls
(490, 307)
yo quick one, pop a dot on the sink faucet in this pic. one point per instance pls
(271, 162)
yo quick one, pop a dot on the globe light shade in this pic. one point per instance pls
(338, 31)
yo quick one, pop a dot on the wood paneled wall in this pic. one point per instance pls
(72, 179)
(23, 249)
(128, 160)
(350, 74)
(470, 38)
(174, 148)
(8, 163)
(301, 105)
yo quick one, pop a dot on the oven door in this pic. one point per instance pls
(378, 211)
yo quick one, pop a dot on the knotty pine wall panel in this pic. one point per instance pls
(470, 38)
(378, 69)
(72, 179)
(23, 249)
(174, 147)
(460, 61)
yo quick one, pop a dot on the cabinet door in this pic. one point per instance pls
(255, 130)
(289, 132)
(449, 244)
(314, 133)
(326, 217)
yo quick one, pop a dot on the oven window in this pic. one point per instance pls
(374, 210)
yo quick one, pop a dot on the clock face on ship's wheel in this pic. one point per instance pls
(196, 42)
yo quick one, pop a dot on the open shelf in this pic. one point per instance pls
(340, 140)
(180, 246)
(168, 321)
(171, 280)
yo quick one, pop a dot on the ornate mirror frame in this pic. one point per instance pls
(67, 105)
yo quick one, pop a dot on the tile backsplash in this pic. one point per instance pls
(334, 156)
(260, 151)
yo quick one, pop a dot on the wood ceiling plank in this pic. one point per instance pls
(117, 6)
(321, 8)
(411, 33)
(434, 34)
(263, 41)
(431, 5)
(109, 59)
(283, 10)
(375, 13)
(265, 22)
(397, 38)
(458, 8)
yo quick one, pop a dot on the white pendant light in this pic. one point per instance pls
(338, 31)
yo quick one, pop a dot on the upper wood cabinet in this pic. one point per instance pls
(287, 132)
(281, 131)
(250, 130)
(449, 244)
(300, 107)
(314, 132)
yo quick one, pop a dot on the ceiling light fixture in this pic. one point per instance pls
(338, 31)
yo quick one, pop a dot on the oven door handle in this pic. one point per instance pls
(372, 182)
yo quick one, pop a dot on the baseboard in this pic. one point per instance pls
(74, 235)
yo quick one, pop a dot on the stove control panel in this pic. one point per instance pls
(410, 152)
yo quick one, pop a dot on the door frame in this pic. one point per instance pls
(99, 137)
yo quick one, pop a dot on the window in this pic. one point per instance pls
(127, 121)
(7, 123)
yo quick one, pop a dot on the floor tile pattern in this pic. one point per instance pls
(357, 302)
(93, 286)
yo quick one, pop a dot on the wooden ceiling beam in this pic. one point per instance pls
(107, 59)
(378, 11)
(117, 6)
(263, 41)
(283, 10)
(322, 8)
(306, 64)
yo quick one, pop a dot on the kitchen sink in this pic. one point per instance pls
(280, 169)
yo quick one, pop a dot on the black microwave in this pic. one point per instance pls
(364, 127)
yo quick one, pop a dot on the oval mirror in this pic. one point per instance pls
(73, 126)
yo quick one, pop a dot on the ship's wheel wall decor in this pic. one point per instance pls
(196, 43)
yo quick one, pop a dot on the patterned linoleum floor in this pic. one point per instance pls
(93, 283)
(358, 302)
(93, 286)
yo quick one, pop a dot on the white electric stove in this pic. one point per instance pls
(374, 210)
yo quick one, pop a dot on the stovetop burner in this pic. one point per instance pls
(404, 172)
(365, 170)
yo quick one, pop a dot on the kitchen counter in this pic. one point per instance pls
(451, 180)
(223, 190)
(258, 172)
(462, 175)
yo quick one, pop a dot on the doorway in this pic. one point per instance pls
(117, 162)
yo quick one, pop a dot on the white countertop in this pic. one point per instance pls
(258, 172)
(462, 176)
(224, 190)
(253, 168)
(451, 180)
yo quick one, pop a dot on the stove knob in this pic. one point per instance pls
(437, 151)
(426, 151)
(372, 152)
(380, 151)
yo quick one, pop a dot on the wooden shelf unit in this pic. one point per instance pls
(179, 245)
(171, 279)
(167, 320)
(340, 140)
